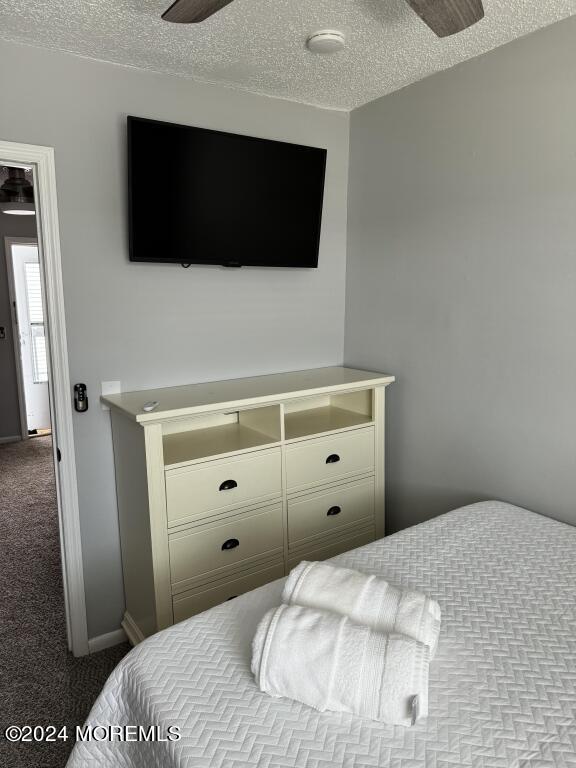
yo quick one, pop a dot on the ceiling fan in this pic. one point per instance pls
(444, 17)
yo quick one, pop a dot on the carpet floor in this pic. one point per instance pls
(41, 683)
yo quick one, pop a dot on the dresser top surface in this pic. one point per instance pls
(189, 399)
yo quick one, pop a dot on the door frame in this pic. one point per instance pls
(41, 160)
(8, 243)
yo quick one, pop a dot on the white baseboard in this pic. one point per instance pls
(101, 642)
(11, 439)
(132, 630)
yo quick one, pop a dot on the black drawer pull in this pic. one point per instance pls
(227, 485)
(334, 511)
(230, 544)
(333, 458)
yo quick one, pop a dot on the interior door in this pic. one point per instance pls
(29, 317)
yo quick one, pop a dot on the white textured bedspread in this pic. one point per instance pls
(502, 686)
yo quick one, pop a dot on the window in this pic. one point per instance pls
(36, 320)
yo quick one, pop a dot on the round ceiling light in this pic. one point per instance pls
(326, 41)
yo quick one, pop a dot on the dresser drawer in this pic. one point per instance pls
(335, 547)
(206, 489)
(324, 460)
(190, 603)
(211, 549)
(328, 511)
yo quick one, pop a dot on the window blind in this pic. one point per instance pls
(36, 320)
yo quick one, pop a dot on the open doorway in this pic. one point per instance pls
(26, 295)
(29, 521)
(36, 399)
(42, 603)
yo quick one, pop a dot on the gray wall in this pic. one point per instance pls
(154, 325)
(462, 278)
(10, 226)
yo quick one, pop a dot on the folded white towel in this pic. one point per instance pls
(327, 662)
(364, 599)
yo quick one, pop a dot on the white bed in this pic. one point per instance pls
(502, 686)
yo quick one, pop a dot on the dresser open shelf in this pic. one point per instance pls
(185, 447)
(228, 485)
(214, 435)
(327, 413)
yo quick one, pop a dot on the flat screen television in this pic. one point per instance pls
(198, 196)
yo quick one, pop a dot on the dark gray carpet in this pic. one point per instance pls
(41, 683)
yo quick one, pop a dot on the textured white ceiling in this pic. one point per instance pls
(259, 45)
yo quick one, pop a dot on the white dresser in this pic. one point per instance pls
(227, 485)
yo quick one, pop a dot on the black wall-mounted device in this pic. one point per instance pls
(80, 398)
(233, 200)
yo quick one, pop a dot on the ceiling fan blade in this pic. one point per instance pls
(193, 11)
(447, 17)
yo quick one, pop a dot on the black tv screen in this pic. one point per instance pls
(198, 196)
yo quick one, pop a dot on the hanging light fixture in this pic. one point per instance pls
(17, 194)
